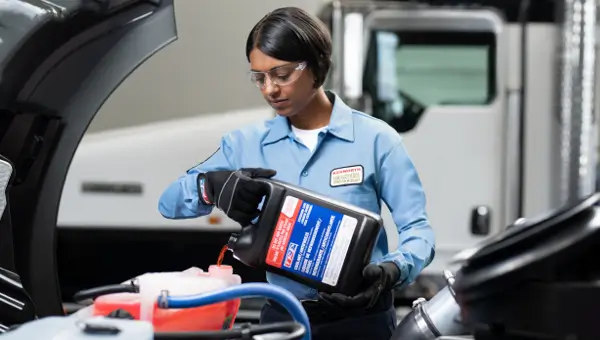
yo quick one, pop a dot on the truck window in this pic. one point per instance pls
(406, 72)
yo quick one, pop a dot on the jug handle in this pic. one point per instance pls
(272, 191)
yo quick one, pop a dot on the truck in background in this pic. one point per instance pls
(476, 110)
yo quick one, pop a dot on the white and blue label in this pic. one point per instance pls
(311, 240)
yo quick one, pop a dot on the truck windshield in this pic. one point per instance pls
(406, 72)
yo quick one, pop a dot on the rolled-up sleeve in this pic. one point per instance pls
(180, 200)
(401, 190)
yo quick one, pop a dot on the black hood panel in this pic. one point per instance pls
(59, 62)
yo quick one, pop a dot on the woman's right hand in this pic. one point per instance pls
(236, 193)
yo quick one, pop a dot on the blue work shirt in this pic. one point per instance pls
(351, 139)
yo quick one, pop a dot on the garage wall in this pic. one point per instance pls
(202, 72)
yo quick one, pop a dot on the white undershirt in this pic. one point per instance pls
(309, 138)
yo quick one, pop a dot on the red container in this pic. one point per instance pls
(193, 281)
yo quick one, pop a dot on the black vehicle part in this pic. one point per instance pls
(93, 293)
(7, 176)
(16, 306)
(120, 314)
(60, 60)
(537, 280)
(542, 10)
(289, 331)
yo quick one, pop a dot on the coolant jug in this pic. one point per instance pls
(309, 238)
(143, 305)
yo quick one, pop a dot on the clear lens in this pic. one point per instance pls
(280, 76)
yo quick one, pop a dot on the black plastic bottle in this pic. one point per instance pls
(309, 238)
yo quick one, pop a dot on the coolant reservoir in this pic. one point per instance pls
(143, 305)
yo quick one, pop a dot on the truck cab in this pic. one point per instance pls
(475, 108)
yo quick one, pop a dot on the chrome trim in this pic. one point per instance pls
(4, 328)
(449, 278)
(512, 164)
(421, 323)
(337, 72)
(576, 94)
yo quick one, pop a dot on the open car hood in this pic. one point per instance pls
(59, 62)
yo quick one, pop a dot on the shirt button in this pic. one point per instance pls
(313, 291)
(304, 173)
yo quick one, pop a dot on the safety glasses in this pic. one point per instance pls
(281, 76)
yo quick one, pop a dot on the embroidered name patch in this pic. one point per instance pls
(346, 176)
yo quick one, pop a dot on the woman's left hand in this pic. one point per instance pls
(379, 277)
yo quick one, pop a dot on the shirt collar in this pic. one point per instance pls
(340, 125)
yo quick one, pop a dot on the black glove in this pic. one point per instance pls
(379, 278)
(235, 192)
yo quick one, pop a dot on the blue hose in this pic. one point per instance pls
(245, 290)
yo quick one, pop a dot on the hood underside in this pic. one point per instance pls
(59, 62)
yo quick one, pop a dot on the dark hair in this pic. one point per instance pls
(291, 34)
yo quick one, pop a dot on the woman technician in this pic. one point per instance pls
(319, 143)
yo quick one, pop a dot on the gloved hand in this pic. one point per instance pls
(235, 192)
(379, 278)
